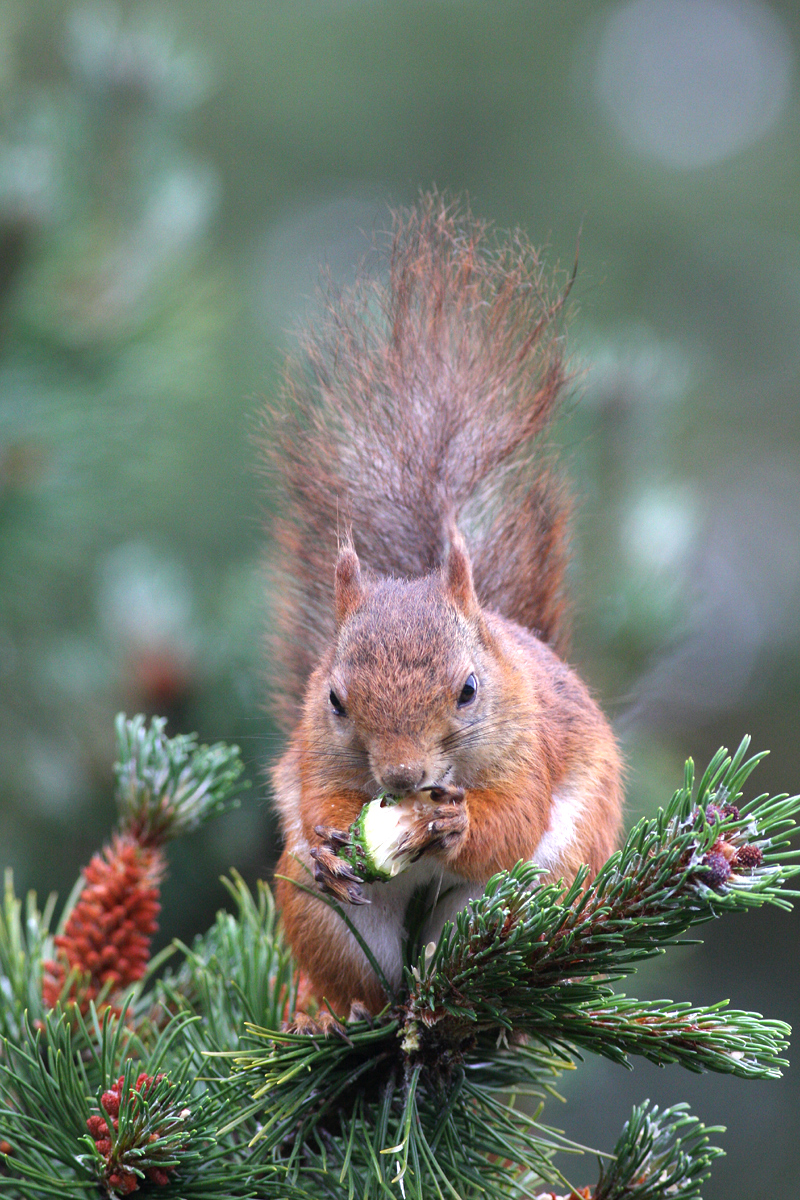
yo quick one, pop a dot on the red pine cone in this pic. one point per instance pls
(748, 857)
(719, 870)
(123, 1181)
(108, 934)
(715, 812)
(117, 1178)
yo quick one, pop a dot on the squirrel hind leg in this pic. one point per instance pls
(323, 1024)
(359, 1013)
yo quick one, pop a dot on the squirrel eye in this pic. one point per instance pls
(468, 691)
(336, 704)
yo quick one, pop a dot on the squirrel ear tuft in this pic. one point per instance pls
(348, 591)
(458, 575)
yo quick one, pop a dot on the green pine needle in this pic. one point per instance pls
(25, 941)
(422, 1101)
(535, 959)
(659, 1155)
(56, 1080)
(169, 786)
(538, 958)
(239, 972)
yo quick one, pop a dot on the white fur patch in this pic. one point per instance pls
(382, 922)
(567, 806)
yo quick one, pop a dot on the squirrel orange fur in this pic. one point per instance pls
(421, 562)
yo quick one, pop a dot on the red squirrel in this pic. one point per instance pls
(421, 558)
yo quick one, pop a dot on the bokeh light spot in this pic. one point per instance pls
(692, 82)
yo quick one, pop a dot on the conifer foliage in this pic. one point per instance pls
(115, 1079)
(105, 945)
(163, 788)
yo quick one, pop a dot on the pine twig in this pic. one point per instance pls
(538, 960)
(169, 786)
(659, 1155)
(165, 787)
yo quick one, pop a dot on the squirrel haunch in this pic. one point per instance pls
(420, 659)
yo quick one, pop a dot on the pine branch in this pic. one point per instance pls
(87, 1109)
(658, 1155)
(716, 1038)
(169, 786)
(538, 959)
(416, 1103)
(99, 1095)
(165, 787)
(351, 1114)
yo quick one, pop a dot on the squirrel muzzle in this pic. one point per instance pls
(399, 766)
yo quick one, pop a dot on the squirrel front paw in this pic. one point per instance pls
(441, 826)
(334, 875)
(385, 838)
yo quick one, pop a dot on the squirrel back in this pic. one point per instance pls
(423, 399)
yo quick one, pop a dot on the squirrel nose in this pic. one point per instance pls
(402, 778)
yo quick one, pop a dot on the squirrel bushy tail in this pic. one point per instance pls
(418, 399)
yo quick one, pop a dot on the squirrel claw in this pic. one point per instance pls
(448, 793)
(447, 826)
(323, 1025)
(335, 837)
(336, 877)
(359, 1013)
(441, 828)
(347, 893)
(328, 863)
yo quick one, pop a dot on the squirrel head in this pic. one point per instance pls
(409, 678)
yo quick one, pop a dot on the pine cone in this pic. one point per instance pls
(107, 937)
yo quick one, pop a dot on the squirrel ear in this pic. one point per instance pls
(458, 575)
(347, 592)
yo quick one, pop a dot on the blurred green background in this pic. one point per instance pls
(172, 179)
